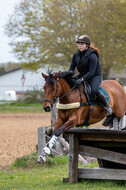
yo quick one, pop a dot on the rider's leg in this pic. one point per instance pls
(102, 100)
(95, 83)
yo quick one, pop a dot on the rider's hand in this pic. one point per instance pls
(79, 81)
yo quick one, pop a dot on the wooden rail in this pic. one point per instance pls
(108, 146)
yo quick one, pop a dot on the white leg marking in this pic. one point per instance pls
(52, 141)
(47, 149)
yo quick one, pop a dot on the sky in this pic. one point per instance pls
(6, 8)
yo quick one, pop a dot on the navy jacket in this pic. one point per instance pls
(87, 63)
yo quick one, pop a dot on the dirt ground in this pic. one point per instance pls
(18, 135)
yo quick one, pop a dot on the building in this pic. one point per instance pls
(17, 81)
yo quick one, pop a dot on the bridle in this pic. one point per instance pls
(55, 98)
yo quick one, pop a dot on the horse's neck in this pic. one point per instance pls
(65, 86)
(70, 96)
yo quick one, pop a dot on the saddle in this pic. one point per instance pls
(88, 92)
(91, 97)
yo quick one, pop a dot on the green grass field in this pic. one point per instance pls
(21, 108)
(27, 174)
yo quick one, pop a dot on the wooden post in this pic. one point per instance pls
(73, 158)
(54, 114)
(41, 139)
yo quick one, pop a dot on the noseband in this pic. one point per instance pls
(54, 99)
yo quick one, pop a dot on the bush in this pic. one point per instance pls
(35, 96)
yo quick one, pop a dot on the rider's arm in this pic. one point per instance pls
(73, 64)
(92, 67)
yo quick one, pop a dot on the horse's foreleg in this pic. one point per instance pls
(58, 130)
(66, 126)
(47, 149)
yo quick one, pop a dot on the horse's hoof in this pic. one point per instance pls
(41, 158)
(46, 150)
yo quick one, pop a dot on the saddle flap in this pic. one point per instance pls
(91, 97)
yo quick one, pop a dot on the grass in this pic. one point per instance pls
(26, 174)
(21, 108)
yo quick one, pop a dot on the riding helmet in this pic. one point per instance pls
(84, 39)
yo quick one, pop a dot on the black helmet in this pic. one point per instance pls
(84, 39)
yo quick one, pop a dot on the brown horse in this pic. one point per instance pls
(68, 93)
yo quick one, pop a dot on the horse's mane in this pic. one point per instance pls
(66, 75)
(69, 77)
(50, 79)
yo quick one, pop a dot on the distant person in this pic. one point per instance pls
(86, 59)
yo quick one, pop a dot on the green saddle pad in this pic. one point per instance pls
(105, 94)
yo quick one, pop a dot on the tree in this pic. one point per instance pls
(46, 30)
(110, 32)
(2, 69)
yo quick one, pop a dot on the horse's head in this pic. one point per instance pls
(51, 90)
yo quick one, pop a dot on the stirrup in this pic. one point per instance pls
(108, 110)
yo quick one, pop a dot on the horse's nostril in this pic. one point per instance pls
(47, 109)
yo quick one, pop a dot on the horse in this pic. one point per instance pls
(74, 109)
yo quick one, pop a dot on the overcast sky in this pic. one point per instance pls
(6, 8)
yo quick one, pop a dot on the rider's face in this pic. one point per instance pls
(81, 46)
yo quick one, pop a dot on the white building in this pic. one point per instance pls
(17, 81)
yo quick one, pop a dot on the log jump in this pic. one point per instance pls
(108, 146)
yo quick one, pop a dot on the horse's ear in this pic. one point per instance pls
(44, 75)
(57, 75)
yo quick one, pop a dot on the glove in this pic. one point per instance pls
(76, 77)
(78, 81)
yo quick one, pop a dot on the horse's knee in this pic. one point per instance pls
(58, 132)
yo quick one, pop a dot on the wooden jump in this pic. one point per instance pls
(108, 146)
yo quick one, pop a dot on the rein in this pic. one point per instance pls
(66, 93)
(55, 99)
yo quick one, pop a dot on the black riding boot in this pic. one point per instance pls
(102, 100)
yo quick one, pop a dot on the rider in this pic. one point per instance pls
(86, 59)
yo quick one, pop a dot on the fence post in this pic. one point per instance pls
(54, 114)
(41, 139)
(73, 158)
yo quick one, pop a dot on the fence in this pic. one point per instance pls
(108, 146)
